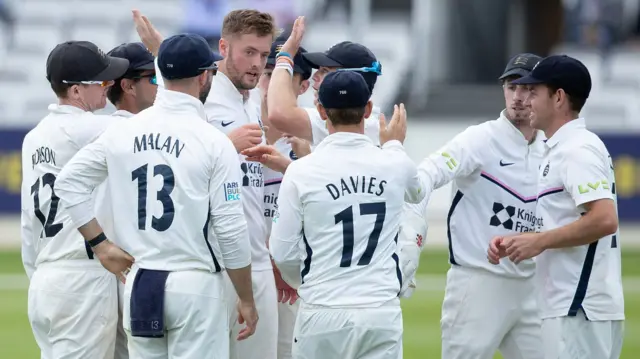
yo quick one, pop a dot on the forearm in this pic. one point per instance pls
(241, 279)
(90, 230)
(281, 97)
(231, 232)
(588, 229)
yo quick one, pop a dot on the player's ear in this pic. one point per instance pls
(126, 85)
(367, 109)
(223, 46)
(322, 111)
(304, 86)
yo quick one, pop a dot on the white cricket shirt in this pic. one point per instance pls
(494, 171)
(48, 235)
(272, 180)
(102, 205)
(174, 184)
(319, 129)
(338, 218)
(227, 110)
(577, 169)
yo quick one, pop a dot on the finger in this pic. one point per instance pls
(294, 298)
(240, 318)
(514, 255)
(254, 159)
(383, 123)
(255, 140)
(252, 126)
(244, 333)
(265, 128)
(286, 296)
(255, 133)
(510, 250)
(280, 295)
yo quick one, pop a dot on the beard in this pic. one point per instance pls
(235, 75)
(204, 92)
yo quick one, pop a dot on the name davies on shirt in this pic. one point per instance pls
(356, 185)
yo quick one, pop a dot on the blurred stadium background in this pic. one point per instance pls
(440, 57)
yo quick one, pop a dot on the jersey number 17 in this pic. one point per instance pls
(346, 218)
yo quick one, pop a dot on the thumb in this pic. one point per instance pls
(383, 123)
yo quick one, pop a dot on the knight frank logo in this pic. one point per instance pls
(245, 177)
(502, 216)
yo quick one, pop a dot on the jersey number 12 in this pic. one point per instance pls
(49, 228)
(346, 218)
(163, 222)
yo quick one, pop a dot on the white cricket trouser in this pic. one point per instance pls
(286, 323)
(263, 344)
(195, 318)
(73, 309)
(579, 338)
(371, 333)
(122, 351)
(483, 312)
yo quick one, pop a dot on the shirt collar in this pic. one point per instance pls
(345, 139)
(224, 87)
(122, 113)
(64, 109)
(565, 131)
(516, 133)
(178, 102)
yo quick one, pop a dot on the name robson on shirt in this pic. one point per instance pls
(231, 191)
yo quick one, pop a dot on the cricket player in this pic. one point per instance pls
(493, 167)
(131, 93)
(186, 225)
(287, 296)
(577, 243)
(67, 286)
(246, 41)
(335, 234)
(307, 124)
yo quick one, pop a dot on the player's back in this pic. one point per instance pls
(161, 165)
(352, 194)
(45, 150)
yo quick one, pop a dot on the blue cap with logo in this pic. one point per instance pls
(140, 59)
(344, 89)
(300, 66)
(563, 72)
(348, 55)
(184, 56)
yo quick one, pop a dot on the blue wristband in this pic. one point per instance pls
(282, 53)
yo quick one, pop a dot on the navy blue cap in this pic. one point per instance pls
(348, 55)
(344, 89)
(299, 64)
(520, 65)
(563, 72)
(140, 59)
(345, 54)
(184, 56)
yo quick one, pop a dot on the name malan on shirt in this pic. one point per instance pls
(156, 142)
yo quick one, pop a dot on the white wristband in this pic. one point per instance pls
(286, 66)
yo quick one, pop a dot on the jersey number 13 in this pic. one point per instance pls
(163, 222)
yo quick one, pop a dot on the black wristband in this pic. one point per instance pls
(99, 239)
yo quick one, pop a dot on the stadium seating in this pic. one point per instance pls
(44, 23)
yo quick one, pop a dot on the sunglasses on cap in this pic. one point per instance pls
(375, 68)
(152, 78)
(101, 83)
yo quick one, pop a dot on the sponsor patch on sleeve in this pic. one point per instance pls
(231, 191)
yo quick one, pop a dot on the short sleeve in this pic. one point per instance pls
(588, 175)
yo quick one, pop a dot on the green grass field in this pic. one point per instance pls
(421, 311)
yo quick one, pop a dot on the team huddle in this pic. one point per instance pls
(212, 217)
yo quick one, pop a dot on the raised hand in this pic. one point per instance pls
(292, 44)
(148, 34)
(397, 127)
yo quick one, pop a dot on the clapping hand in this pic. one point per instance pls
(397, 127)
